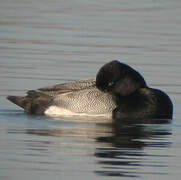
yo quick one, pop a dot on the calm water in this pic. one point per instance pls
(47, 42)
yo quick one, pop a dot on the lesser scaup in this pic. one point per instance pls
(118, 90)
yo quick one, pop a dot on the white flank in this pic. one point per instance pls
(57, 111)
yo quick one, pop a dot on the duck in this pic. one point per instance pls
(133, 97)
(118, 91)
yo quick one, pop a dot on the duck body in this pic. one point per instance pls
(75, 98)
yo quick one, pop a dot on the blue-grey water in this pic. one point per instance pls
(48, 42)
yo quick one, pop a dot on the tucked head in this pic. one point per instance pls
(119, 79)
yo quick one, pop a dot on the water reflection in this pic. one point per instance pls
(128, 134)
(120, 148)
(127, 143)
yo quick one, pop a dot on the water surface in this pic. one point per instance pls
(47, 42)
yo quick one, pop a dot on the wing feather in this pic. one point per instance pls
(58, 89)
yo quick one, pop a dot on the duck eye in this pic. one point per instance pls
(110, 84)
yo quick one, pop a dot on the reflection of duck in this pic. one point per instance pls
(134, 99)
(131, 146)
(126, 148)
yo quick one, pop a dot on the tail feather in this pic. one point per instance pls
(32, 104)
(21, 101)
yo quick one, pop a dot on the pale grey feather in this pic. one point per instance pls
(67, 87)
(90, 101)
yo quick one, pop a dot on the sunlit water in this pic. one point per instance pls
(47, 42)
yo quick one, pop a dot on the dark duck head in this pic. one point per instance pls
(133, 97)
(119, 79)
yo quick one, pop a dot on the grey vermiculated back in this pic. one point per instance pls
(90, 101)
(81, 97)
